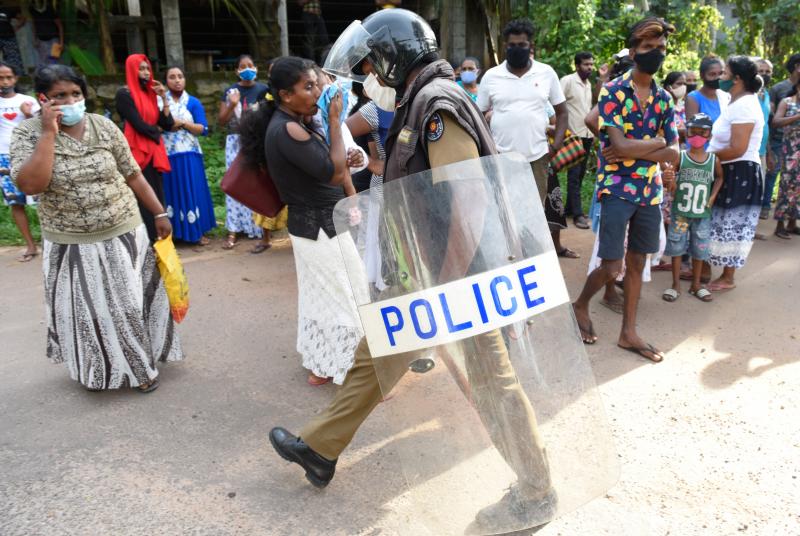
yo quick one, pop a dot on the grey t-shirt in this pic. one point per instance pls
(777, 93)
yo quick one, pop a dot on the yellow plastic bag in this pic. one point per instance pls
(175, 282)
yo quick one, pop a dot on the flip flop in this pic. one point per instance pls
(617, 307)
(568, 254)
(670, 295)
(719, 288)
(703, 295)
(783, 234)
(260, 248)
(663, 267)
(150, 387)
(591, 333)
(27, 257)
(640, 351)
(204, 241)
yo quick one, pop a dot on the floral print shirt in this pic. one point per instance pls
(188, 109)
(88, 193)
(637, 181)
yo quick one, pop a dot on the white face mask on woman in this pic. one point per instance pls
(679, 92)
(383, 97)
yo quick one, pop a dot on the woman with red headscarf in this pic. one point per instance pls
(137, 106)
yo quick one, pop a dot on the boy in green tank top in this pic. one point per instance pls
(699, 179)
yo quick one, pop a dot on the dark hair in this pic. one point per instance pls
(518, 27)
(622, 66)
(241, 57)
(580, 57)
(673, 77)
(286, 72)
(361, 97)
(707, 63)
(166, 73)
(13, 68)
(471, 58)
(46, 77)
(792, 62)
(747, 70)
(649, 28)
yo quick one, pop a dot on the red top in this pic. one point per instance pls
(144, 149)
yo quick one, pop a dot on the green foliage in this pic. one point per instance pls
(565, 27)
(9, 234)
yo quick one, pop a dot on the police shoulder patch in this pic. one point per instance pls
(435, 127)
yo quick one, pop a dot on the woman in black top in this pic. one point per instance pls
(310, 177)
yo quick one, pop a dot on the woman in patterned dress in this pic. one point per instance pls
(186, 192)
(237, 99)
(787, 117)
(108, 316)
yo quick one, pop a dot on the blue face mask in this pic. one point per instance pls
(73, 113)
(248, 74)
(469, 77)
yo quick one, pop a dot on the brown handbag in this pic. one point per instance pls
(253, 188)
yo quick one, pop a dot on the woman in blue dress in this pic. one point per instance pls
(186, 192)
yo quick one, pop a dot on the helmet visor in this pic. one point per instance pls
(347, 52)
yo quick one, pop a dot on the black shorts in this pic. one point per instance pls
(642, 223)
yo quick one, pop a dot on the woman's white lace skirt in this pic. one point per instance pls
(328, 326)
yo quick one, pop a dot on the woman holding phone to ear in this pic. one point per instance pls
(108, 316)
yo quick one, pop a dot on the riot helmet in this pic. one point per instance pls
(393, 40)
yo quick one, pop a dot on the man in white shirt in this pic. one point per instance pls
(578, 91)
(513, 96)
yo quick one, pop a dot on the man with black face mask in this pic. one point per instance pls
(637, 132)
(513, 96)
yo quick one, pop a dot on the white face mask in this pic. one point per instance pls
(383, 97)
(679, 92)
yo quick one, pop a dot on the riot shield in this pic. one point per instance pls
(493, 410)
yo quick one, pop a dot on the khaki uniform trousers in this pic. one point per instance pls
(504, 408)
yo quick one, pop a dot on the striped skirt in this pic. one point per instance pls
(108, 316)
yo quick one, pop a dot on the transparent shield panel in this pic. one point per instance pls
(348, 50)
(490, 397)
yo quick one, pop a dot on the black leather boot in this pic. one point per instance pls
(319, 470)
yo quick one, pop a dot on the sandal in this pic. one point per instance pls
(657, 356)
(617, 307)
(703, 294)
(261, 247)
(27, 256)
(568, 254)
(670, 295)
(230, 241)
(783, 234)
(204, 241)
(149, 387)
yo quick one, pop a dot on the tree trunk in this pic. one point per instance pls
(106, 46)
(173, 42)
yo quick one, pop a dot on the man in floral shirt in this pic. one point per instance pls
(637, 132)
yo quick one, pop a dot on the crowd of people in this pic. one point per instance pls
(686, 165)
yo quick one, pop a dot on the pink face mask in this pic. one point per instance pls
(697, 141)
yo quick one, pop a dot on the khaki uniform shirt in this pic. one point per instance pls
(579, 103)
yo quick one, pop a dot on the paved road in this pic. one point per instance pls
(708, 440)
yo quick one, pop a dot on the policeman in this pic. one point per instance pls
(435, 124)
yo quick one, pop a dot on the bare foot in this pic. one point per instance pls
(721, 284)
(636, 345)
(588, 336)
